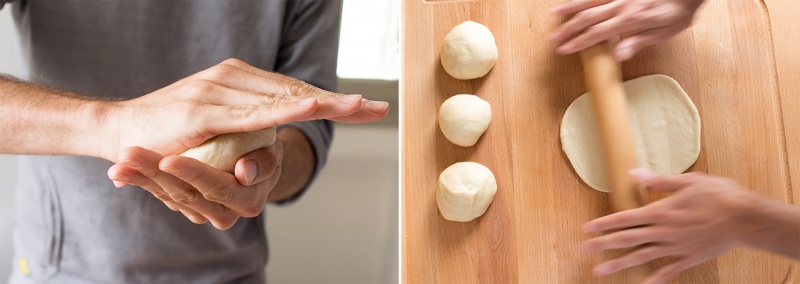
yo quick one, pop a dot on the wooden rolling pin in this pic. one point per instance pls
(604, 81)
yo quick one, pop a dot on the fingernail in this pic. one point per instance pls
(172, 170)
(642, 174)
(250, 172)
(625, 54)
(307, 102)
(377, 106)
(123, 178)
(119, 184)
(602, 269)
(564, 49)
(350, 99)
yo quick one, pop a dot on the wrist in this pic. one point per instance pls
(96, 135)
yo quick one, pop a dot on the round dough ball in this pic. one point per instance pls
(464, 118)
(468, 51)
(465, 191)
(664, 122)
(223, 151)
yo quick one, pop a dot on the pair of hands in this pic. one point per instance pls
(229, 97)
(641, 23)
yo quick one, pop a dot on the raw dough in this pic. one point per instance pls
(664, 122)
(465, 191)
(223, 151)
(468, 51)
(464, 118)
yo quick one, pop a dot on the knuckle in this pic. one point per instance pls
(252, 210)
(294, 87)
(220, 71)
(200, 87)
(185, 197)
(219, 194)
(233, 62)
(161, 195)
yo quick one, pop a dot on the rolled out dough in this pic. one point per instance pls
(664, 122)
(222, 151)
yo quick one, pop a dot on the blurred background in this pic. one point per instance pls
(345, 228)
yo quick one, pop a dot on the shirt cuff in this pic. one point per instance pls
(320, 135)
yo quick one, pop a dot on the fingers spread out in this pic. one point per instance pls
(620, 220)
(575, 6)
(637, 257)
(582, 21)
(622, 239)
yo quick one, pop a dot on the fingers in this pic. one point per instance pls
(662, 183)
(147, 163)
(664, 274)
(122, 171)
(622, 239)
(246, 118)
(581, 22)
(632, 44)
(258, 165)
(634, 258)
(575, 6)
(596, 34)
(625, 219)
(215, 185)
(370, 111)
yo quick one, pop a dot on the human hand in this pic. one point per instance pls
(706, 217)
(641, 22)
(229, 97)
(199, 191)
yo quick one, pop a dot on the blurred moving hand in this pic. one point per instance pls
(640, 22)
(706, 217)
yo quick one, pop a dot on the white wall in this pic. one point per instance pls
(344, 230)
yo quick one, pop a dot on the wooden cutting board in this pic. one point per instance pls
(739, 63)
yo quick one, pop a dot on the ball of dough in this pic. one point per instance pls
(223, 151)
(465, 191)
(468, 51)
(664, 122)
(464, 118)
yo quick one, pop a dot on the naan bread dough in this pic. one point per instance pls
(465, 191)
(464, 118)
(223, 151)
(664, 122)
(468, 51)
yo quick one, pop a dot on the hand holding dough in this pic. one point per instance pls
(468, 51)
(223, 151)
(465, 191)
(664, 122)
(464, 118)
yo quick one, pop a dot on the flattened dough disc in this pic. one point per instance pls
(664, 122)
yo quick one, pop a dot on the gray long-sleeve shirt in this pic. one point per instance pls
(72, 225)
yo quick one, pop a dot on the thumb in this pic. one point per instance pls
(656, 182)
(259, 165)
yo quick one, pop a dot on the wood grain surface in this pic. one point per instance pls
(739, 63)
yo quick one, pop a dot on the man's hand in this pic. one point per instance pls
(642, 22)
(229, 97)
(706, 217)
(201, 192)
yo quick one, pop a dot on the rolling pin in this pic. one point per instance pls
(604, 81)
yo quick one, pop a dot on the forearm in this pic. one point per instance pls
(777, 227)
(297, 166)
(42, 121)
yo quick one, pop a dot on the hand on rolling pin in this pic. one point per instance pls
(640, 22)
(706, 217)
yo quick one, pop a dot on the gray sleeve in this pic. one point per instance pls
(309, 50)
(3, 3)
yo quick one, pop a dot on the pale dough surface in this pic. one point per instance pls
(465, 191)
(464, 118)
(223, 151)
(664, 122)
(468, 51)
